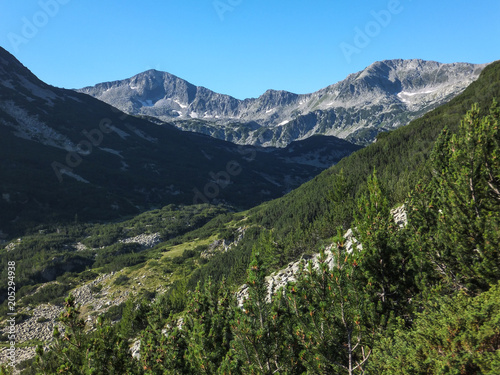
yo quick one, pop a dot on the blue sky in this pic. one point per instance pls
(241, 47)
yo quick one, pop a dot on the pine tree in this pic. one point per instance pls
(164, 350)
(386, 270)
(453, 335)
(5, 370)
(71, 344)
(258, 327)
(457, 217)
(134, 317)
(208, 327)
(78, 351)
(341, 201)
(329, 316)
(108, 352)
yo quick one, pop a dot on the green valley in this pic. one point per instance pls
(161, 292)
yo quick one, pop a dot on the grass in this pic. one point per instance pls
(158, 272)
(178, 250)
(162, 266)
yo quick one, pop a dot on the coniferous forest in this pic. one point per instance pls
(417, 298)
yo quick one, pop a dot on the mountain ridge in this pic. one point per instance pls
(299, 224)
(385, 95)
(67, 155)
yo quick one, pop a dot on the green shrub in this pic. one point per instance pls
(48, 293)
(178, 260)
(188, 254)
(121, 280)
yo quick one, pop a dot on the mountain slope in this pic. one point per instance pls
(299, 222)
(303, 218)
(400, 156)
(384, 96)
(65, 155)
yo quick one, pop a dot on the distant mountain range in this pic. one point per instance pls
(68, 156)
(384, 96)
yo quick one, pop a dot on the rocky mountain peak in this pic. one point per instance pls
(383, 96)
(273, 98)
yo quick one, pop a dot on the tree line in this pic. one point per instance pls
(415, 300)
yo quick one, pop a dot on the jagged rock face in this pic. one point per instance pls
(384, 96)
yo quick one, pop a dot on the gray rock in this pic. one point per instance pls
(42, 319)
(384, 96)
(136, 349)
(219, 246)
(281, 278)
(147, 241)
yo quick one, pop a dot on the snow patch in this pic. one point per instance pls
(74, 175)
(143, 135)
(180, 104)
(75, 99)
(172, 190)
(270, 179)
(206, 155)
(147, 103)
(36, 90)
(406, 93)
(120, 132)
(111, 151)
(8, 84)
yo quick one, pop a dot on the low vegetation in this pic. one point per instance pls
(414, 300)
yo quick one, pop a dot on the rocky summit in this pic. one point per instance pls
(384, 96)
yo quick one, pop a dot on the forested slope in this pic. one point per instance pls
(302, 219)
(415, 300)
(399, 157)
(418, 299)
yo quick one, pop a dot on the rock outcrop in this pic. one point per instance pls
(223, 245)
(147, 241)
(42, 318)
(281, 278)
